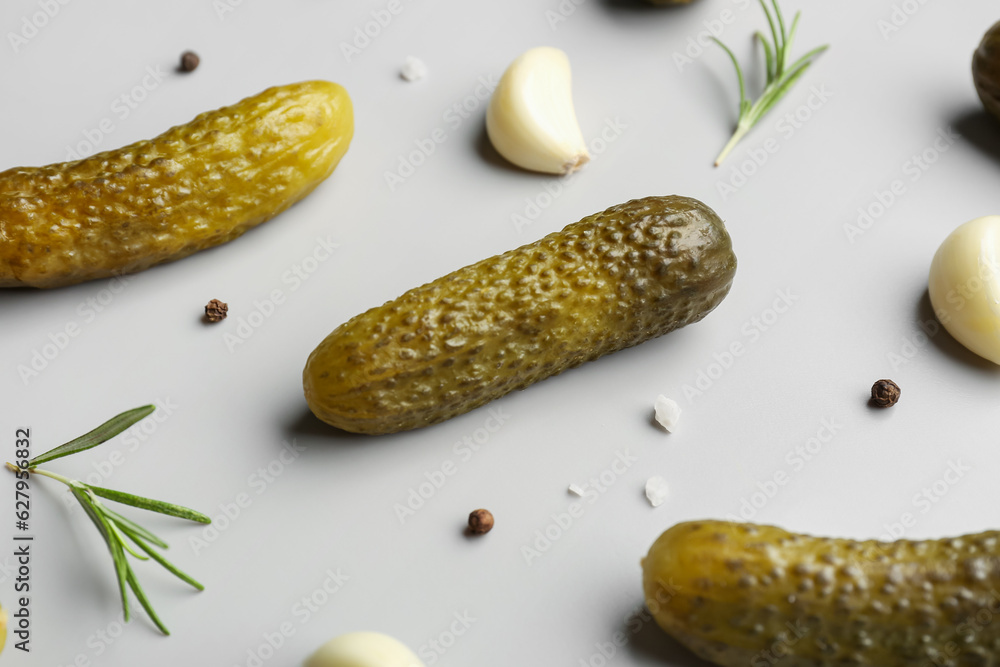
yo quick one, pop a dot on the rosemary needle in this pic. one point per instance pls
(781, 73)
(123, 536)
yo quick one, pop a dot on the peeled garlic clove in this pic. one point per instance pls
(363, 649)
(531, 120)
(964, 286)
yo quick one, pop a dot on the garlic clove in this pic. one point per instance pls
(531, 120)
(964, 286)
(363, 649)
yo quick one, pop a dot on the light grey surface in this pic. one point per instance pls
(855, 305)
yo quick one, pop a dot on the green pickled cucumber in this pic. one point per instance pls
(742, 595)
(195, 186)
(610, 281)
(986, 70)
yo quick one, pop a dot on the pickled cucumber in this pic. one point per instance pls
(607, 282)
(195, 186)
(742, 595)
(986, 70)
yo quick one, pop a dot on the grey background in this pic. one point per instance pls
(856, 316)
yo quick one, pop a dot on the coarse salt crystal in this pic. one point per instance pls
(413, 69)
(575, 490)
(667, 412)
(657, 490)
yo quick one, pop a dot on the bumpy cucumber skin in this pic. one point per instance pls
(610, 281)
(195, 186)
(742, 595)
(986, 70)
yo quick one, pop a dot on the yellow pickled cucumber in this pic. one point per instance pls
(609, 281)
(193, 187)
(742, 595)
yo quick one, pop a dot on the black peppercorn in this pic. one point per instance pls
(480, 522)
(216, 311)
(189, 61)
(885, 393)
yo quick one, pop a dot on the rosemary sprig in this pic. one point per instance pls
(122, 535)
(781, 73)
(99, 435)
